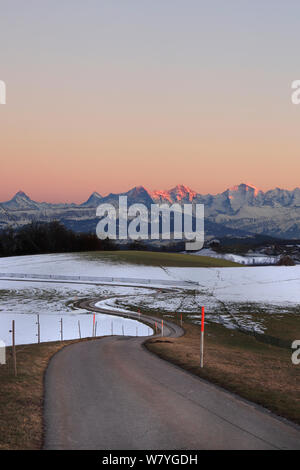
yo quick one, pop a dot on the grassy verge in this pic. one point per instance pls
(259, 372)
(150, 258)
(21, 397)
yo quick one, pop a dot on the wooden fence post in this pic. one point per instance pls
(14, 355)
(38, 328)
(61, 330)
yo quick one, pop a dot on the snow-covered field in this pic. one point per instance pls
(223, 291)
(23, 300)
(26, 327)
(263, 284)
(248, 260)
(266, 284)
(81, 264)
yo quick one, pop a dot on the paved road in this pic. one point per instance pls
(112, 393)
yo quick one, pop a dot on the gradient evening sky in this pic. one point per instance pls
(108, 94)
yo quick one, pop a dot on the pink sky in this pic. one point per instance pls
(125, 94)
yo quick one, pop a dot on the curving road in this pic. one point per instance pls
(112, 393)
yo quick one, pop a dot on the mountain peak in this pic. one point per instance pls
(93, 200)
(21, 194)
(20, 201)
(245, 187)
(137, 190)
(179, 193)
(161, 195)
(183, 187)
(182, 192)
(95, 194)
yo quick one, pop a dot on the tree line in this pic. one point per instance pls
(51, 237)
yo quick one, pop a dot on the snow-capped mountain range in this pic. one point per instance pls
(239, 211)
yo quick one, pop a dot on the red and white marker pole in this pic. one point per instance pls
(94, 333)
(162, 327)
(202, 339)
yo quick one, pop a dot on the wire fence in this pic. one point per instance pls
(100, 279)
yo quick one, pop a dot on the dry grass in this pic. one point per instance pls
(256, 371)
(21, 397)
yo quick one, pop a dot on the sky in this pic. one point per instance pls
(104, 95)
